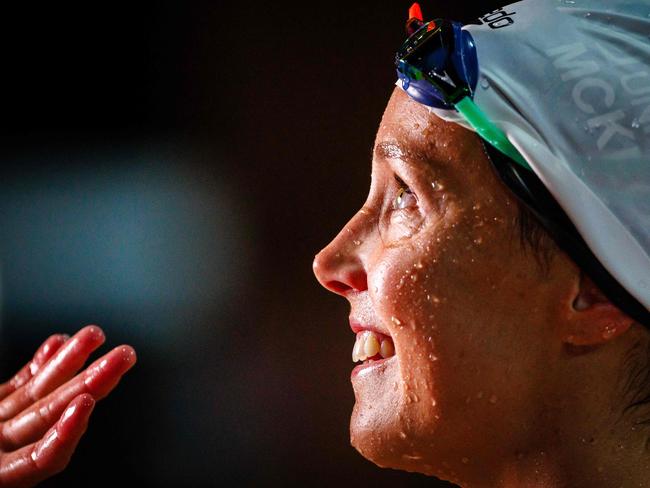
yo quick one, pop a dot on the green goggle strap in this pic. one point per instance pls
(488, 131)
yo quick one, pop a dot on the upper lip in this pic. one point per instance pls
(358, 327)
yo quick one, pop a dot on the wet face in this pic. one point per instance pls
(432, 267)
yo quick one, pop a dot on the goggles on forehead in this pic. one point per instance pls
(437, 67)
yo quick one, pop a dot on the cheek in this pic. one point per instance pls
(431, 294)
(403, 288)
(413, 282)
(409, 298)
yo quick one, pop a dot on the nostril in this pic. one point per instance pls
(352, 280)
(338, 287)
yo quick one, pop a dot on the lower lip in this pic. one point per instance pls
(370, 367)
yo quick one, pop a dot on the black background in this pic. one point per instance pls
(169, 172)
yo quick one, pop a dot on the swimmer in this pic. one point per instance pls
(487, 356)
(45, 407)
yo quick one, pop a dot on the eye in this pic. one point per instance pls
(405, 198)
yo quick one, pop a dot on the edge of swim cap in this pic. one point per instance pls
(532, 192)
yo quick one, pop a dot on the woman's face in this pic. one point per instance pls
(432, 263)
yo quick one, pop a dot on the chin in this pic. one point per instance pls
(392, 433)
(380, 448)
(389, 446)
(381, 431)
(376, 427)
(395, 449)
(391, 425)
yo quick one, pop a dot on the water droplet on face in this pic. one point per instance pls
(485, 84)
(357, 243)
(395, 320)
(588, 14)
(411, 457)
(609, 331)
(478, 240)
(493, 399)
(636, 124)
(465, 460)
(433, 357)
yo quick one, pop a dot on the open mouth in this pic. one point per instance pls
(372, 346)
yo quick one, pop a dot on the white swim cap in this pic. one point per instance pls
(568, 82)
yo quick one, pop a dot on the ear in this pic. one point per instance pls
(593, 319)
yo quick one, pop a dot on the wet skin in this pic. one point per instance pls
(45, 407)
(493, 359)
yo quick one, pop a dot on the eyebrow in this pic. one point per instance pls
(396, 151)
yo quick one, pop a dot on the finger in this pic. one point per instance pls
(48, 456)
(98, 380)
(60, 368)
(43, 353)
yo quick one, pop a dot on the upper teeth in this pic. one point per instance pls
(370, 344)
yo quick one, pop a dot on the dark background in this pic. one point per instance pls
(169, 171)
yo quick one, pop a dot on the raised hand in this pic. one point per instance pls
(44, 408)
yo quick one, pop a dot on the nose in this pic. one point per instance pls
(339, 267)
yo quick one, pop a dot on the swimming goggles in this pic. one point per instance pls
(437, 66)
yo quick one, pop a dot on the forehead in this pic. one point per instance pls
(408, 131)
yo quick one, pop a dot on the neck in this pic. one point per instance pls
(587, 436)
(592, 460)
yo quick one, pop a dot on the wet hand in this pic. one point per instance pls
(45, 407)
